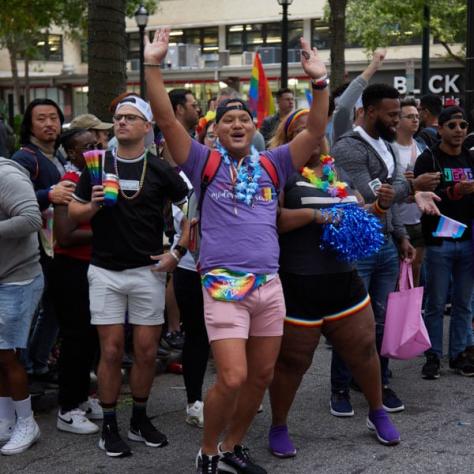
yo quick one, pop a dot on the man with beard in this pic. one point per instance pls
(368, 157)
(39, 132)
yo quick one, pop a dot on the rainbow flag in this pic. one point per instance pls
(260, 96)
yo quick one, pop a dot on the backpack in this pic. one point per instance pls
(212, 165)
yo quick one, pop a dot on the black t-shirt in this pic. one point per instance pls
(299, 249)
(125, 235)
(453, 169)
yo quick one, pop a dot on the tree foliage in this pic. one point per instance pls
(379, 23)
(23, 21)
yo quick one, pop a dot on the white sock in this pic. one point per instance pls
(23, 407)
(7, 409)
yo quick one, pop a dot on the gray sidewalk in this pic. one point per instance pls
(437, 432)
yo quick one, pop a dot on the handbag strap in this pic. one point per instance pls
(405, 281)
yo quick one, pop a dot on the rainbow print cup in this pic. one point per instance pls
(111, 189)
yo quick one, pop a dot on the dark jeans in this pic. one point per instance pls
(188, 291)
(79, 338)
(379, 274)
(44, 327)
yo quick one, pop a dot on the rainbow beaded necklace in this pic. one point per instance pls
(328, 182)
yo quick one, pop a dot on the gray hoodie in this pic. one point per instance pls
(20, 220)
(363, 164)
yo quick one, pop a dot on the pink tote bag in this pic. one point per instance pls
(405, 335)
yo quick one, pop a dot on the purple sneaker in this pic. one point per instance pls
(380, 422)
(280, 443)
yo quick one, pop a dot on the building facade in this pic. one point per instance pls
(212, 45)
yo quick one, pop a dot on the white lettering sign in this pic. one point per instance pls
(438, 84)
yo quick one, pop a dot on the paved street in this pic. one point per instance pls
(437, 429)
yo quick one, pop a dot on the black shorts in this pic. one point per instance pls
(312, 299)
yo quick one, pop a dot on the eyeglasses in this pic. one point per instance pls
(410, 116)
(129, 118)
(91, 146)
(462, 125)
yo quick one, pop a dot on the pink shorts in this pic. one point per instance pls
(262, 313)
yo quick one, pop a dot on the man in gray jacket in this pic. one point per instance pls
(367, 156)
(21, 286)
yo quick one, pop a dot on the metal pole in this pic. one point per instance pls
(425, 55)
(469, 76)
(284, 47)
(142, 60)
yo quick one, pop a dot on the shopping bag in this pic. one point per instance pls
(405, 335)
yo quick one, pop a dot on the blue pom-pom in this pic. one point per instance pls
(355, 234)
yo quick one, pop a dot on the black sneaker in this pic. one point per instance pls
(238, 461)
(430, 370)
(206, 464)
(462, 365)
(173, 340)
(340, 404)
(390, 401)
(470, 353)
(112, 443)
(144, 431)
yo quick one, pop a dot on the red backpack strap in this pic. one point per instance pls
(213, 161)
(269, 167)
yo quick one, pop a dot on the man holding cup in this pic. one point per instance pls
(122, 279)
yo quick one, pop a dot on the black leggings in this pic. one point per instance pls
(188, 291)
(79, 338)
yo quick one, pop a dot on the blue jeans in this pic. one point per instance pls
(379, 274)
(451, 259)
(18, 304)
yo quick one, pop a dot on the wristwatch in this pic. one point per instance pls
(181, 250)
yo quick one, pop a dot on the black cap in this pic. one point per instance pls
(237, 104)
(451, 113)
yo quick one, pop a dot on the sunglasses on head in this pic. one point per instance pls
(462, 125)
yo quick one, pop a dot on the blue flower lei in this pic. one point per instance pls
(246, 185)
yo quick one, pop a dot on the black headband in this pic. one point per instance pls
(238, 105)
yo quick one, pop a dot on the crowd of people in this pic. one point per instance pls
(246, 277)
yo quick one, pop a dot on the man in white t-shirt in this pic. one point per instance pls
(408, 150)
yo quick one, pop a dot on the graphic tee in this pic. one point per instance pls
(125, 235)
(236, 236)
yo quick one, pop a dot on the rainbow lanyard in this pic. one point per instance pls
(228, 285)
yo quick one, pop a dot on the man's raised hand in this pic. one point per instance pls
(312, 64)
(155, 51)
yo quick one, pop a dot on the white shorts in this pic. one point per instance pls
(137, 292)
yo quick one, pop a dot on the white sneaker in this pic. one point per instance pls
(75, 421)
(195, 414)
(6, 429)
(92, 409)
(25, 433)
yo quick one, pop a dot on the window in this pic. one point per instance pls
(48, 48)
(320, 36)
(206, 38)
(133, 45)
(250, 37)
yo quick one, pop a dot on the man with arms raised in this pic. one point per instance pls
(243, 300)
(120, 275)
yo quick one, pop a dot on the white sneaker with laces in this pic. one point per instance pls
(75, 421)
(6, 429)
(92, 409)
(25, 433)
(195, 414)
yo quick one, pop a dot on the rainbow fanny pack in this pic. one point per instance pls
(228, 285)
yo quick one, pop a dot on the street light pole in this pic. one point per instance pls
(468, 83)
(425, 52)
(284, 42)
(141, 17)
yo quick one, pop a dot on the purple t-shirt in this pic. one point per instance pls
(236, 236)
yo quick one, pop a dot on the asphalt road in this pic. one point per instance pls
(437, 431)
